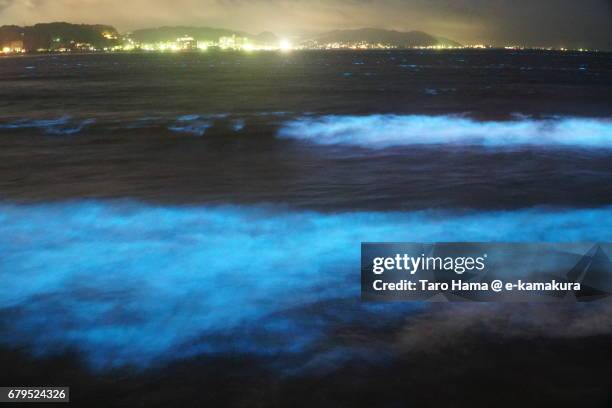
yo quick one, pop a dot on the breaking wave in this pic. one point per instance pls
(128, 284)
(59, 126)
(194, 124)
(381, 131)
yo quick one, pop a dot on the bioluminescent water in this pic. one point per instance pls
(193, 222)
(126, 283)
(368, 131)
(54, 126)
(384, 131)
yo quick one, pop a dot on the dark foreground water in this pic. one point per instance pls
(186, 227)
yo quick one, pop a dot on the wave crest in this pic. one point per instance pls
(382, 131)
(58, 126)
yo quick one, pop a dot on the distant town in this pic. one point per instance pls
(68, 38)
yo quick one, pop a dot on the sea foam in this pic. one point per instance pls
(382, 131)
(125, 283)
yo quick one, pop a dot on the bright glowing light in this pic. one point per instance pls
(139, 263)
(381, 131)
(285, 45)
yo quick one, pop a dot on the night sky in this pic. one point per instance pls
(570, 23)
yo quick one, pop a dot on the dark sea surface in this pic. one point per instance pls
(184, 229)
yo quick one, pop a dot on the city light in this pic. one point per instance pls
(285, 45)
(186, 43)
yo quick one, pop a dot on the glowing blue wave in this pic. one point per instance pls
(127, 283)
(58, 126)
(195, 124)
(381, 131)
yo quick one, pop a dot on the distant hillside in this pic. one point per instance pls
(66, 35)
(388, 37)
(56, 35)
(153, 35)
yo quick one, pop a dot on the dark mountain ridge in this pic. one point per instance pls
(59, 35)
(160, 34)
(51, 36)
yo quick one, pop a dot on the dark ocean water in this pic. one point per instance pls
(192, 223)
(258, 128)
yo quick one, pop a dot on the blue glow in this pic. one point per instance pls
(195, 124)
(191, 124)
(187, 118)
(129, 283)
(197, 128)
(381, 131)
(58, 126)
(238, 125)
